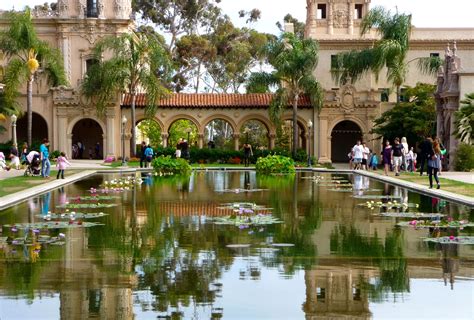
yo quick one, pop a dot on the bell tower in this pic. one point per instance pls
(335, 17)
(94, 9)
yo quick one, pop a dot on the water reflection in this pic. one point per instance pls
(159, 255)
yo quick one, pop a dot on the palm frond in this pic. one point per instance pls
(260, 82)
(16, 73)
(278, 106)
(429, 65)
(314, 90)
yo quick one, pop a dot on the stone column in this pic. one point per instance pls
(164, 139)
(324, 140)
(236, 137)
(62, 145)
(453, 142)
(69, 144)
(330, 16)
(66, 55)
(200, 137)
(109, 146)
(271, 140)
(350, 7)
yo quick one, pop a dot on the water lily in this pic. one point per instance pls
(14, 229)
(61, 235)
(36, 231)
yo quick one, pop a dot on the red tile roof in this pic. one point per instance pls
(212, 100)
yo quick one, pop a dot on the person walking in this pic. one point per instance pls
(148, 155)
(185, 149)
(97, 150)
(434, 164)
(80, 147)
(247, 153)
(404, 153)
(425, 150)
(142, 154)
(14, 159)
(397, 156)
(387, 155)
(44, 157)
(357, 155)
(178, 148)
(410, 158)
(61, 164)
(24, 153)
(365, 157)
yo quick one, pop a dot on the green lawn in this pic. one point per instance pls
(466, 189)
(15, 184)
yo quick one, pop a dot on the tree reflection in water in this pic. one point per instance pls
(387, 255)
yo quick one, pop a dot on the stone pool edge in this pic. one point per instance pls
(17, 197)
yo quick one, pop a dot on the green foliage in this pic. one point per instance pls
(298, 25)
(275, 164)
(464, 120)
(139, 61)
(166, 165)
(294, 61)
(414, 119)
(150, 129)
(178, 130)
(464, 158)
(54, 154)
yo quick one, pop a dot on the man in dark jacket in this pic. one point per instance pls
(142, 154)
(426, 148)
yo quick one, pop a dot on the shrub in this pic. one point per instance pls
(275, 164)
(165, 165)
(464, 158)
(55, 154)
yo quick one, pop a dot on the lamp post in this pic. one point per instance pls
(124, 121)
(188, 131)
(14, 130)
(247, 131)
(310, 126)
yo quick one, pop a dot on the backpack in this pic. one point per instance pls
(149, 153)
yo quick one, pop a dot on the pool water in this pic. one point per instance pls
(160, 253)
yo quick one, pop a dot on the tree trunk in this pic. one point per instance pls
(198, 77)
(29, 111)
(398, 94)
(133, 143)
(295, 126)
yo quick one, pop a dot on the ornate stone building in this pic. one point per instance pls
(62, 115)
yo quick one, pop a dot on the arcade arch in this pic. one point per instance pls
(344, 136)
(90, 134)
(219, 133)
(150, 131)
(256, 133)
(39, 129)
(184, 129)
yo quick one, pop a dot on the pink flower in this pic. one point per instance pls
(451, 238)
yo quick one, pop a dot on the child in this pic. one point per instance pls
(410, 159)
(374, 161)
(62, 163)
(3, 164)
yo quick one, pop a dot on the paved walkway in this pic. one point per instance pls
(466, 177)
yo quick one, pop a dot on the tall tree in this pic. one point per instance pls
(464, 120)
(28, 57)
(294, 61)
(389, 52)
(138, 61)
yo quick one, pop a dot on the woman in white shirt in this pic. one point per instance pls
(405, 151)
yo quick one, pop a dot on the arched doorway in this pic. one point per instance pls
(255, 132)
(184, 129)
(343, 137)
(148, 130)
(88, 134)
(219, 134)
(38, 133)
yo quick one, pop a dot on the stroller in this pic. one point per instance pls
(33, 164)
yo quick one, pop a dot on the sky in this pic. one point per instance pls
(426, 13)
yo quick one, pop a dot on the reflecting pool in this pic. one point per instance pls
(170, 248)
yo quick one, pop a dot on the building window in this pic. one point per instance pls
(321, 13)
(333, 62)
(356, 294)
(403, 95)
(92, 9)
(434, 55)
(384, 94)
(90, 62)
(321, 294)
(358, 11)
(95, 299)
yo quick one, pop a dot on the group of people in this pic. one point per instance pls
(34, 159)
(182, 149)
(78, 149)
(399, 157)
(146, 155)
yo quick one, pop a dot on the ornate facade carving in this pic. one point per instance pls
(81, 8)
(63, 7)
(122, 9)
(44, 11)
(340, 16)
(447, 100)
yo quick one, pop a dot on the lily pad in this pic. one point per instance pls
(240, 190)
(376, 196)
(86, 205)
(93, 198)
(71, 215)
(411, 215)
(53, 225)
(282, 245)
(452, 239)
(246, 221)
(235, 246)
(436, 224)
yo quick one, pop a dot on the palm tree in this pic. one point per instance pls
(26, 54)
(294, 61)
(139, 60)
(390, 51)
(464, 120)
